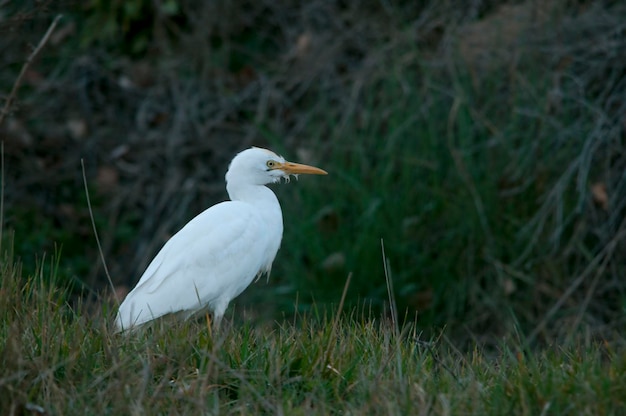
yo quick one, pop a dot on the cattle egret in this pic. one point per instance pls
(213, 258)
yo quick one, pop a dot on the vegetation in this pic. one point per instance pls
(476, 158)
(57, 359)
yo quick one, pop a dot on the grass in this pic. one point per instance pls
(62, 359)
(479, 173)
(479, 184)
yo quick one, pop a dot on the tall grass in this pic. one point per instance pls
(478, 182)
(58, 358)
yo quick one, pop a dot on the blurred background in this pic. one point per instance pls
(482, 141)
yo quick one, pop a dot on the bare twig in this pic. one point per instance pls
(95, 232)
(7, 106)
(31, 58)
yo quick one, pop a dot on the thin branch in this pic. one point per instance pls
(31, 58)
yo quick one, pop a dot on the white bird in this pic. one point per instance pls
(216, 255)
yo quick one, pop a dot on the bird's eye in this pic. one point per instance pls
(271, 164)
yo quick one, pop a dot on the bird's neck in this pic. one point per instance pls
(252, 194)
(262, 198)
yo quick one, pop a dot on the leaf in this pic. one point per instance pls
(600, 195)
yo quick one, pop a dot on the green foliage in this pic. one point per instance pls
(429, 176)
(54, 233)
(476, 182)
(130, 23)
(58, 359)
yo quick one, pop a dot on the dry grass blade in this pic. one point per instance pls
(333, 335)
(95, 233)
(390, 293)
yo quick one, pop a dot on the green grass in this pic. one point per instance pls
(62, 359)
(479, 185)
(430, 177)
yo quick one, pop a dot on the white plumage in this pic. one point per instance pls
(216, 255)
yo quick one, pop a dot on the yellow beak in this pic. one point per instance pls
(297, 169)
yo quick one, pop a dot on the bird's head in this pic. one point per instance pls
(257, 166)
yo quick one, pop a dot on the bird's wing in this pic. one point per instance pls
(210, 239)
(216, 254)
